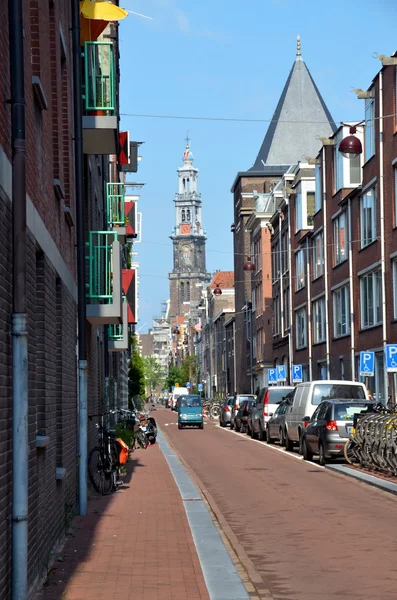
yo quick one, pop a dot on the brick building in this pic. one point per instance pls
(343, 269)
(52, 271)
(285, 142)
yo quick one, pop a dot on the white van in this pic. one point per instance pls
(308, 396)
(178, 391)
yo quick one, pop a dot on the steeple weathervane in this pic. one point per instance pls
(298, 45)
(187, 140)
(187, 155)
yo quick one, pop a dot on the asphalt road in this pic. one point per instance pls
(311, 534)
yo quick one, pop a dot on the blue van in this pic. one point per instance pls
(190, 411)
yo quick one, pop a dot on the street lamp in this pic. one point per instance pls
(249, 266)
(176, 331)
(350, 146)
(217, 290)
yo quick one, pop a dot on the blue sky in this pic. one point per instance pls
(228, 59)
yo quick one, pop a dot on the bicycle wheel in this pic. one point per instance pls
(101, 478)
(142, 441)
(349, 452)
(215, 411)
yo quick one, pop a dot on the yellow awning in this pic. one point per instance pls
(95, 16)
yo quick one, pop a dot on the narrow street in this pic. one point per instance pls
(309, 532)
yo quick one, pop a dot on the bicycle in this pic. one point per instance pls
(103, 460)
(138, 434)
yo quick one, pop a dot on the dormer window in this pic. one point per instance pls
(304, 205)
(347, 171)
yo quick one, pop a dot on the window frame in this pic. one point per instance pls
(376, 283)
(364, 241)
(298, 313)
(369, 128)
(394, 279)
(319, 320)
(318, 268)
(318, 178)
(346, 301)
(338, 259)
(300, 253)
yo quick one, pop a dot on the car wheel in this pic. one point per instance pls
(201, 425)
(322, 459)
(282, 437)
(179, 425)
(269, 440)
(231, 425)
(253, 434)
(289, 446)
(221, 423)
(262, 434)
(307, 455)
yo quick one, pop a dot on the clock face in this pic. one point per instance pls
(186, 255)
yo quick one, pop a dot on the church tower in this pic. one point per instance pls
(189, 240)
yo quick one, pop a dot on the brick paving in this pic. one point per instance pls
(134, 544)
(309, 533)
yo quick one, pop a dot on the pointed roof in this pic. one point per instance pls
(300, 119)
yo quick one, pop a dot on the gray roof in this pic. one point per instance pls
(300, 119)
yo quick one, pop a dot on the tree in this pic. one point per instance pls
(189, 370)
(152, 371)
(174, 376)
(136, 376)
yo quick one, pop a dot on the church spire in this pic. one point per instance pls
(187, 155)
(300, 119)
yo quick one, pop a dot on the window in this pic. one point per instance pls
(298, 210)
(286, 309)
(276, 315)
(319, 332)
(310, 207)
(395, 196)
(369, 130)
(341, 311)
(395, 288)
(276, 261)
(300, 328)
(284, 252)
(371, 299)
(305, 205)
(368, 217)
(300, 270)
(187, 291)
(338, 163)
(340, 239)
(318, 256)
(188, 215)
(319, 187)
(183, 215)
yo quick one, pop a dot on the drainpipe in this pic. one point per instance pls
(20, 446)
(234, 356)
(351, 293)
(382, 229)
(309, 312)
(325, 251)
(79, 174)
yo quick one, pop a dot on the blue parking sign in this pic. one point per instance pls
(272, 376)
(281, 373)
(297, 374)
(367, 364)
(188, 385)
(391, 358)
(200, 387)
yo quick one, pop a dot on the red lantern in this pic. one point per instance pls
(249, 266)
(350, 146)
(217, 291)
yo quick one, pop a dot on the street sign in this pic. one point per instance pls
(173, 387)
(391, 358)
(177, 385)
(281, 373)
(297, 374)
(200, 387)
(367, 364)
(188, 385)
(272, 376)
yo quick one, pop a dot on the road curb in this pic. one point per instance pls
(382, 484)
(254, 575)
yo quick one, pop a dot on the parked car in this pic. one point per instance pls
(268, 400)
(275, 427)
(241, 419)
(226, 411)
(308, 396)
(329, 428)
(237, 400)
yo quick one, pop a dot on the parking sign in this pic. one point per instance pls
(200, 387)
(391, 358)
(297, 374)
(281, 373)
(271, 376)
(367, 364)
(188, 385)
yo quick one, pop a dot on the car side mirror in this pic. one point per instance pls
(270, 414)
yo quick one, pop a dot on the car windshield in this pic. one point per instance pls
(346, 412)
(190, 401)
(277, 395)
(334, 391)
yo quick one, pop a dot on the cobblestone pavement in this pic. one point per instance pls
(306, 532)
(134, 544)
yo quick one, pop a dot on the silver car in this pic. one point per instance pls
(226, 411)
(327, 432)
(275, 427)
(268, 400)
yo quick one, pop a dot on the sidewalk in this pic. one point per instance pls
(134, 544)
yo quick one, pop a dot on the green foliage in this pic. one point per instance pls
(152, 371)
(174, 376)
(189, 370)
(125, 434)
(136, 375)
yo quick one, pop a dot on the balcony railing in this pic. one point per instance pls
(118, 333)
(115, 195)
(99, 77)
(100, 270)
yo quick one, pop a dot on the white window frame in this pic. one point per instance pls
(341, 298)
(319, 321)
(300, 270)
(318, 256)
(304, 187)
(369, 130)
(366, 240)
(340, 252)
(301, 336)
(371, 282)
(319, 186)
(338, 163)
(345, 169)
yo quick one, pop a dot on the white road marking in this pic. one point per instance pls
(277, 449)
